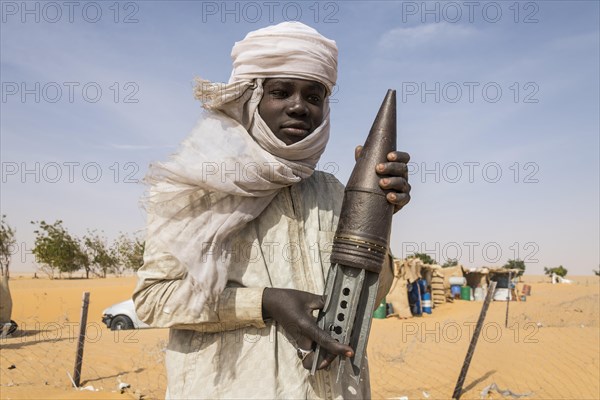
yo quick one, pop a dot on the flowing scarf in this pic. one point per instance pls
(231, 166)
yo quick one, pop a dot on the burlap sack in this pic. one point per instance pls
(5, 301)
(398, 296)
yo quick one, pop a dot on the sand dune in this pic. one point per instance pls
(550, 349)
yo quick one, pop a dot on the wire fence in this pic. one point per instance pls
(43, 355)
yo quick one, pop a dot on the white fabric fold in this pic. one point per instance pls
(294, 51)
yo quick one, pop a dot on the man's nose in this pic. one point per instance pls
(297, 105)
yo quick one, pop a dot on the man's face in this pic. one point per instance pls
(292, 108)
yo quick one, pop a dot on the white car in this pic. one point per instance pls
(122, 316)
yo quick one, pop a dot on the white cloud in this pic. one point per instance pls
(426, 34)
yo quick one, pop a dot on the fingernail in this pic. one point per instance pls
(385, 181)
(349, 354)
(380, 167)
(392, 197)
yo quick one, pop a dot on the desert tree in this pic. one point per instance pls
(57, 250)
(130, 251)
(451, 262)
(560, 271)
(424, 257)
(103, 258)
(516, 264)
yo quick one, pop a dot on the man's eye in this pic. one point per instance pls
(278, 93)
(314, 99)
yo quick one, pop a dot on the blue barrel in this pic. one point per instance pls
(455, 291)
(414, 299)
(427, 303)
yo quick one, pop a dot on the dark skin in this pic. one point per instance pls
(293, 109)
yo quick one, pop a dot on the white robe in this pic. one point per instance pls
(228, 351)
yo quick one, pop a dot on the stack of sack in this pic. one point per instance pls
(437, 287)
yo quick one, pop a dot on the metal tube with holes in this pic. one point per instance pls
(360, 245)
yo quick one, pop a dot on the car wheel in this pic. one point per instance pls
(12, 327)
(121, 322)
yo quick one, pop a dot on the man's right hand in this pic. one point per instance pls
(293, 310)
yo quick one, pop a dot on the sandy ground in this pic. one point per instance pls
(549, 350)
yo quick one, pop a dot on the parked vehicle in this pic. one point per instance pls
(122, 316)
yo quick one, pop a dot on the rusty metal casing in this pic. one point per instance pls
(360, 245)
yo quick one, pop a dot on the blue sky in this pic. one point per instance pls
(498, 105)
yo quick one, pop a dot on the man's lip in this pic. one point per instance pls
(298, 125)
(295, 130)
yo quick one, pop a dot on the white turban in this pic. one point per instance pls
(193, 214)
(290, 49)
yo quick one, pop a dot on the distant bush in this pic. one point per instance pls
(516, 264)
(560, 271)
(425, 258)
(452, 262)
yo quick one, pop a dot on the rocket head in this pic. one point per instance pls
(384, 126)
(380, 141)
(366, 218)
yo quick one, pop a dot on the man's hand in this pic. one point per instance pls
(293, 309)
(395, 177)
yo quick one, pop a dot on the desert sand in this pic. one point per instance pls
(549, 350)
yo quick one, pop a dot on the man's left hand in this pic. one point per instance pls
(395, 177)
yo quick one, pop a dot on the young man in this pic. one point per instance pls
(240, 226)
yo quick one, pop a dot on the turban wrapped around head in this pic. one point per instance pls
(288, 49)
